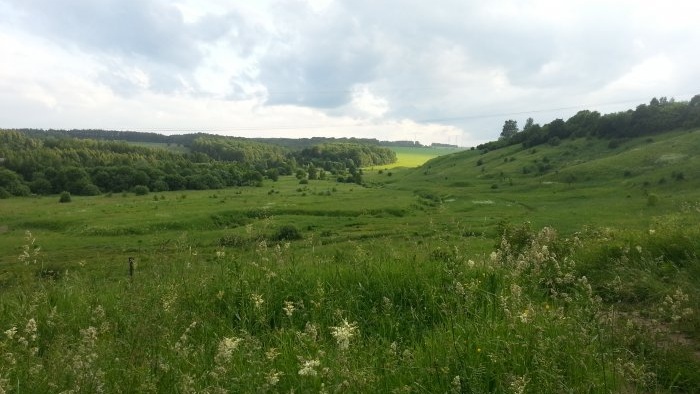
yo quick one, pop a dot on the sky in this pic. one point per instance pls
(446, 71)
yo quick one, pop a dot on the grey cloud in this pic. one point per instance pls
(315, 61)
(395, 46)
(149, 34)
(149, 29)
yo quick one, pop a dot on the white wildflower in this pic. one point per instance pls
(272, 353)
(273, 377)
(30, 329)
(288, 308)
(525, 316)
(518, 384)
(343, 333)
(308, 368)
(257, 300)
(456, 385)
(11, 332)
(226, 348)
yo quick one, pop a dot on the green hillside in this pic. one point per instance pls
(578, 182)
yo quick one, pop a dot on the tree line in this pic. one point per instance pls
(53, 161)
(659, 116)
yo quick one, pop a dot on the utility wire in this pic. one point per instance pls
(419, 121)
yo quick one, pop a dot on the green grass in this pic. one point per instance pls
(411, 273)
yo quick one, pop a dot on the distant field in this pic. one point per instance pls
(414, 157)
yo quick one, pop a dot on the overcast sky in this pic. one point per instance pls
(448, 71)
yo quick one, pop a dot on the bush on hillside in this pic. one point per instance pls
(288, 232)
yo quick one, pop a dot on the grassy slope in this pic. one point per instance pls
(407, 261)
(587, 182)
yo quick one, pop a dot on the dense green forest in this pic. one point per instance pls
(659, 116)
(89, 162)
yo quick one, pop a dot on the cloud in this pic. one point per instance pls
(459, 48)
(146, 29)
(379, 68)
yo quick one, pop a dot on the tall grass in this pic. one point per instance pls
(376, 316)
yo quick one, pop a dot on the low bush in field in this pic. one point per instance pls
(64, 197)
(288, 232)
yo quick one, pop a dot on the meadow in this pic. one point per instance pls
(570, 268)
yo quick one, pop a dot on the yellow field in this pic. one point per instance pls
(414, 157)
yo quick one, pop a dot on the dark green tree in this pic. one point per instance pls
(510, 128)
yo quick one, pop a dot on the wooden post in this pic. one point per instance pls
(131, 267)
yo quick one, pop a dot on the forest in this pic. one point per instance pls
(659, 116)
(91, 162)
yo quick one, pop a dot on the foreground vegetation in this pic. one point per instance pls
(600, 311)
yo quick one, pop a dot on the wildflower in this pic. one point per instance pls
(387, 304)
(220, 254)
(456, 385)
(30, 329)
(309, 368)
(524, 316)
(311, 331)
(394, 347)
(518, 384)
(226, 349)
(273, 377)
(272, 354)
(288, 308)
(470, 263)
(11, 332)
(639, 249)
(343, 333)
(220, 295)
(257, 300)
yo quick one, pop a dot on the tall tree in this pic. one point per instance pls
(510, 128)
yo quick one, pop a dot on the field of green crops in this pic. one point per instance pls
(557, 269)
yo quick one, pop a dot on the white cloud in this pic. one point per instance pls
(397, 69)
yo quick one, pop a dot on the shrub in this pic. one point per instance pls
(65, 197)
(288, 232)
(141, 190)
(652, 200)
